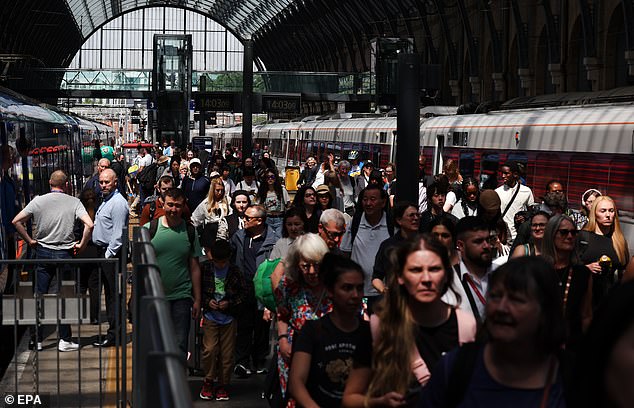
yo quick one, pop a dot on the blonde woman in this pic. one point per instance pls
(602, 247)
(209, 216)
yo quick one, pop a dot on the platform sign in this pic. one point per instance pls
(281, 103)
(215, 101)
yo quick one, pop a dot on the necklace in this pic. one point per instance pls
(567, 287)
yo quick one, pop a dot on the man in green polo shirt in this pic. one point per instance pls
(177, 249)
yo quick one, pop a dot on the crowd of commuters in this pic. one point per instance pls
(472, 296)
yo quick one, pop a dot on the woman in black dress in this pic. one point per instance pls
(603, 248)
(575, 280)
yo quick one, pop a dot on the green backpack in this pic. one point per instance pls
(263, 285)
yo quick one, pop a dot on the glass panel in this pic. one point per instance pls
(94, 42)
(111, 59)
(199, 61)
(154, 18)
(111, 39)
(132, 59)
(198, 40)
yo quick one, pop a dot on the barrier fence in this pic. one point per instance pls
(92, 376)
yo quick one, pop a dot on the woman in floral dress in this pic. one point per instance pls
(301, 296)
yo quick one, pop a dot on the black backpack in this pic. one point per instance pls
(147, 177)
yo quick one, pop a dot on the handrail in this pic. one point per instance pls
(158, 371)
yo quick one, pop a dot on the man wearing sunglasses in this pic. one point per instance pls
(252, 246)
(332, 226)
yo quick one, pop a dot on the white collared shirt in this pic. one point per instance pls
(458, 288)
(365, 246)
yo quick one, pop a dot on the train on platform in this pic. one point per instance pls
(583, 146)
(38, 139)
(35, 140)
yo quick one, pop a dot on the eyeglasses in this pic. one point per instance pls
(539, 225)
(413, 215)
(271, 177)
(322, 196)
(333, 236)
(305, 266)
(309, 195)
(247, 218)
(565, 232)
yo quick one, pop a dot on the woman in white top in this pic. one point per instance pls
(213, 209)
(274, 198)
(468, 204)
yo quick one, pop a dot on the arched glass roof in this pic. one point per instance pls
(126, 41)
(244, 17)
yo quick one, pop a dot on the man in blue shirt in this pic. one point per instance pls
(110, 220)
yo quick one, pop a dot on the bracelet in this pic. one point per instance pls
(282, 336)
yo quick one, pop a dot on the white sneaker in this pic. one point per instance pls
(67, 346)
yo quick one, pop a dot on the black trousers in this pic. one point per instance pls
(91, 280)
(109, 276)
(252, 343)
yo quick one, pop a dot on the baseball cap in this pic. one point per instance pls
(195, 161)
(323, 189)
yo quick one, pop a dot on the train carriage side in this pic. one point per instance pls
(584, 147)
(372, 137)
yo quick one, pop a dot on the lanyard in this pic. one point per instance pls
(475, 289)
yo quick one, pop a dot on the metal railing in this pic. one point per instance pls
(158, 373)
(91, 377)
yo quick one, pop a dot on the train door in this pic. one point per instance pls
(466, 164)
(438, 150)
(489, 163)
(393, 147)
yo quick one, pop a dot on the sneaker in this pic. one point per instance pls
(221, 394)
(207, 391)
(241, 371)
(35, 346)
(262, 370)
(67, 346)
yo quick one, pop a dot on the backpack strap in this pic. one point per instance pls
(152, 209)
(419, 368)
(191, 232)
(153, 227)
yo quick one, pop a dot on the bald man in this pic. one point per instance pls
(93, 182)
(55, 215)
(111, 223)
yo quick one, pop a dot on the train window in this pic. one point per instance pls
(489, 163)
(547, 166)
(382, 137)
(467, 164)
(460, 139)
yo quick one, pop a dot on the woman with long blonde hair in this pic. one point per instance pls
(411, 330)
(602, 247)
(210, 213)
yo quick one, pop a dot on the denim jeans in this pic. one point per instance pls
(48, 281)
(181, 311)
(276, 224)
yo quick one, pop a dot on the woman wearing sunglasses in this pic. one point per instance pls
(300, 296)
(273, 197)
(602, 247)
(534, 245)
(575, 280)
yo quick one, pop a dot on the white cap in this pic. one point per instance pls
(195, 161)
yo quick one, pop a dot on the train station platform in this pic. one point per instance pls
(144, 370)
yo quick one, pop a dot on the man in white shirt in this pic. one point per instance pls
(143, 159)
(471, 275)
(365, 234)
(514, 196)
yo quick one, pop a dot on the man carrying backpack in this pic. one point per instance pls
(153, 207)
(149, 175)
(367, 230)
(177, 249)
